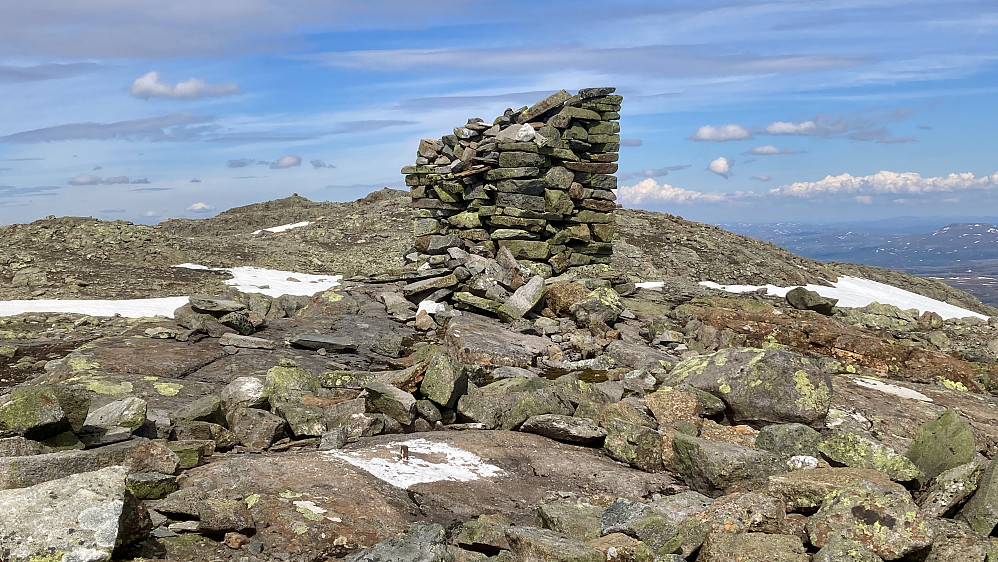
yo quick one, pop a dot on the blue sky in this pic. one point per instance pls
(733, 111)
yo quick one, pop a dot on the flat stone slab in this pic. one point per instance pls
(479, 341)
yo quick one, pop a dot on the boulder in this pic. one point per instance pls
(804, 490)
(981, 512)
(478, 341)
(950, 489)
(944, 443)
(421, 542)
(129, 413)
(600, 308)
(565, 428)
(759, 386)
(527, 543)
(711, 467)
(80, 517)
(391, 401)
(443, 382)
(33, 412)
(753, 547)
(803, 299)
(858, 451)
(888, 523)
(838, 549)
(789, 440)
(634, 444)
(576, 519)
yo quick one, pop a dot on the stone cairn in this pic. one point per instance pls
(537, 181)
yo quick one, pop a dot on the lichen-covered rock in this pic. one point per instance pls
(528, 543)
(859, 451)
(33, 412)
(576, 519)
(807, 489)
(245, 392)
(487, 533)
(255, 428)
(710, 467)
(634, 444)
(942, 444)
(564, 428)
(981, 512)
(623, 548)
(789, 440)
(288, 382)
(803, 299)
(761, 386)
(601, 307)
(80, 517)
(887, 523)
(839, 549)
(949, 490)
(954, 541)
(129, 413)
(753, 547)
(391, 401)
(421, 542)
(443, 383)
(218, 515)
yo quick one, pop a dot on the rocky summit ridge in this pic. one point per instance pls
(574, 417)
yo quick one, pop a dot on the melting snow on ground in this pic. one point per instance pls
(893, 389)
(854, 292)
(270, 282)
(427, 462)
(282, 228)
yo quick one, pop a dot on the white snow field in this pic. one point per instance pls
(271, 282)
(283, 227)
(855, 292)
(441, 462)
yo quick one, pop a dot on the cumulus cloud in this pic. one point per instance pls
(288, 161)
(319, 163)
(864, 199)
(150, 86)
(151, 214)
(649, 190)
(721, 166)
(200, 207)
(887, 182)
(769, 149)
(729, 132)
(240, 162)
(651, 172)
(113, 180)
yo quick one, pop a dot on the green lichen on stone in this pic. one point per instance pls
(288, 494)
(168, 388)
(107, 388)
(953, 385)
(78, 363)
(251, 500)
(810, 396)
(857, 451)
(332, 296)
(300, 528)
(724, 388)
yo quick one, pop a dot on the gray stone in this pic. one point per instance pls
(512, 173)
(246, 392)
(789, 440)
(803, 299)
(559, 177)
(860, 451)
(335, 438)
(510, 159)
(523, 299)
(18, 447)
(442, 382)
(211, 305)
(710, 467)
(391, 401)
(753, 547)
(303, 420)
(287, 382)
(889, 523)
(575, 519)
(944, 443)
(151, 485)
(547, 104)
(218, 515)
(421, 542)
(129, 413)
(206, 409)
(245, 342)
(528, 543)
(520, 201)
(950, 489)
(33, 412)
(478, 341)
(981, 512)
(602, 307)
(761, 386)
(839, 549)
(564, 428)
(256, 429)
(238, 321)
(80, 517)
(954, 541)
(533, 186)
(330, 342)
(634, 444)
(428, 285)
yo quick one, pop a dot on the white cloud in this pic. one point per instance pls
(769, 149)
(320, 163)
(151, 214)
(149, 86)
(790, 128)
(761, 177)
(864, 199)
(289, 161)
(115, 180)
(887, 182)
(86, 179)
(729, 132)
(650, 190)
(201, 207)
(721, 166)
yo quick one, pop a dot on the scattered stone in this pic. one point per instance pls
(422, 542)
(565, 428)
(981, 512)
(711, 467)
(858, 451)
(942, 444)
(803, 299)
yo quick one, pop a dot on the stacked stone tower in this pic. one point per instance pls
(537, 181)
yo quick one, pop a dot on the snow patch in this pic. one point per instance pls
(854, 292)
(650, 285)
(282, 228)
(133, 308)
(892, 389)
(427, 462)
(431, 307)
(273, 282)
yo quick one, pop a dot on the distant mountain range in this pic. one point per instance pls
(963, 253)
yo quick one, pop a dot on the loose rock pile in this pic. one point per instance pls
(536, 181)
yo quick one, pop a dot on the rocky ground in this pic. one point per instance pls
(573, 418)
